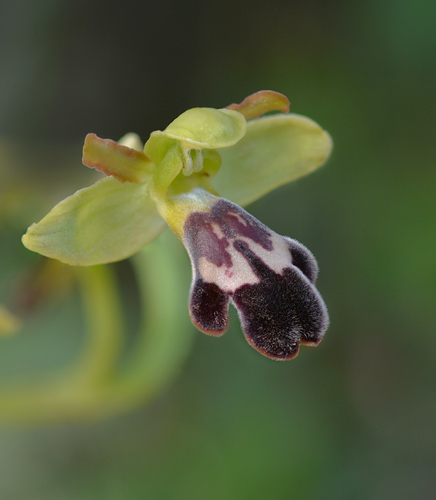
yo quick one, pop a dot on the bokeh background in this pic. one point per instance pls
(354, 418)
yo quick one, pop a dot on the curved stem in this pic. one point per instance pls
(166, 332)
(60, 397)
(102, 308)
(94, 388)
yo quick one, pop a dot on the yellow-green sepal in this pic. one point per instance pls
(105, 222)
(207, 128)
(274, 151)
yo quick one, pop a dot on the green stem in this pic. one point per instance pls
(61, 397)
(102, 308)
(166, 332)
(93, 388)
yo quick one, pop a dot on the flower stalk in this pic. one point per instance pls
(100, 384)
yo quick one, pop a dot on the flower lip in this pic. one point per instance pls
(269, 278)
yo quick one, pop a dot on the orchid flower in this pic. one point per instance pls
(184, 177)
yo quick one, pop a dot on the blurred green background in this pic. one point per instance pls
(354, 418)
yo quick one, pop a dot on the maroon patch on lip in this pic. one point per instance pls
(227, 213)
(201, 240)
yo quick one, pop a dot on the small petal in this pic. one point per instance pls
(269, 278)
(207, 128)
(132, 141)
(105, 222)
(260, 103)
(122, 162)
(167, 155)
(274, 151)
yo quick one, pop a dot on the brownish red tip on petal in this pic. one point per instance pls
(113, 159)
(260, 103)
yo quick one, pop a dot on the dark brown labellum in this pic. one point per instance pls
(269, 278)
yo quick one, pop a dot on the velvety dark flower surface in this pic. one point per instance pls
(269, 278)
